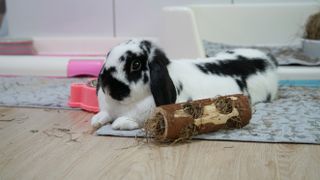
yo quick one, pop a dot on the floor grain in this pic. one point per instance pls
(57, 144)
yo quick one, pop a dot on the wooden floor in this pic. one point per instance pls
(57, 144)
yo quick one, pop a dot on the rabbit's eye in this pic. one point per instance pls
(135, 65)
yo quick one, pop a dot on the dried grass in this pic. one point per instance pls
(154, 127)
(224, 105)
(312, 28)
(195, 110)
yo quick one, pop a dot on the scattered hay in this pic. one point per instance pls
(195, 110)
(154, 127)
(224, 105)
(92, 83)
(228, 147)
(12, 117)
(34, 131)
(312, 28)
(186, 134)
(60, 133)
(233, 123)
(63, 129)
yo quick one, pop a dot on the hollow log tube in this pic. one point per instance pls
(202, 116)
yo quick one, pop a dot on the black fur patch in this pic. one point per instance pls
(99, 81)
(145, 78)
(268, 98)
(161, 85)
(160, 58)
(129, 57)
(116, 89)
(273, 59)
(242, 85)
(108, 54)
(97, 88)
(145, 46)
(241, 67)
(179, 88)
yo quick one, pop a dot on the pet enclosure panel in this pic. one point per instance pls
(240, 24)
(236, 24)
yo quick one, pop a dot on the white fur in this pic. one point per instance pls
(197, 85)
(124, 116)
(131, 112)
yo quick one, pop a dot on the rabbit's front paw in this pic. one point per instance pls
(125, 123)
(100, 119)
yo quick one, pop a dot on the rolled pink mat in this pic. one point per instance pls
(17, 46)
(84, 67)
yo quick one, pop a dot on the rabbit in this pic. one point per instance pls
(137, 77)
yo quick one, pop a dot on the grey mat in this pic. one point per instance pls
(293, 118)
(285, 55)
(36, 91)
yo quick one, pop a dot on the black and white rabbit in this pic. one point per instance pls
(137, 76)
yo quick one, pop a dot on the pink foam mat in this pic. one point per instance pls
(84, 67)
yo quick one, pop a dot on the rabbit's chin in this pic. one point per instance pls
(126, 101)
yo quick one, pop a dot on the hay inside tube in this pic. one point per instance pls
(180, 122)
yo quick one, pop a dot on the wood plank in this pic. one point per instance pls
(55, 144)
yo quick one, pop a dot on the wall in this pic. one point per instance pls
(60, 17)
(108, 18)
(144, 17)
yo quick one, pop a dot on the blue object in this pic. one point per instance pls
(303, 83)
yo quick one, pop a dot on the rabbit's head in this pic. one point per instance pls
(134, 70)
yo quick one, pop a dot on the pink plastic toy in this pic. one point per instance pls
(83, 95)
(84, 67)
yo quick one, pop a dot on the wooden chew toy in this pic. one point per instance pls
(179, 122)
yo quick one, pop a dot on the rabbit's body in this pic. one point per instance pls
(226, 74)
(137, 77)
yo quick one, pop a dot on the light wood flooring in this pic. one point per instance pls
(57, 144)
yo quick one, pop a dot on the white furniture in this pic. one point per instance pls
(54, 55)
(237, 24)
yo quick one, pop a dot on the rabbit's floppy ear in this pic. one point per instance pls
(101, 74)
(161, 85)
